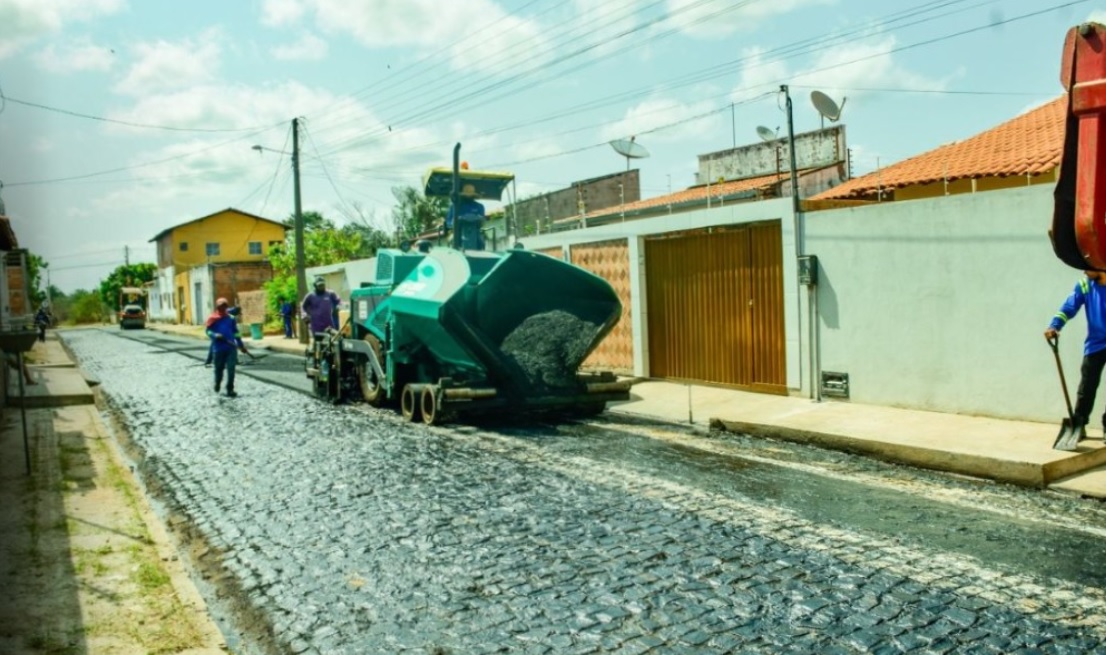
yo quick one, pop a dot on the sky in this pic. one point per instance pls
(121, 118)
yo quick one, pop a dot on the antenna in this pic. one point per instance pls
(766, 133)
(629, 149)
(827, 107)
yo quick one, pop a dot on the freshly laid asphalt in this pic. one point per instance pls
(1015, 452)
(347, 530)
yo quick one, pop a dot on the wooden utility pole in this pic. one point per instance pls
(301, 275)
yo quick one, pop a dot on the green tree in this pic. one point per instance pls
(132, 275)
(323, 244)
(414, 213)
(35, 266)
(312, 221)
(83, 307)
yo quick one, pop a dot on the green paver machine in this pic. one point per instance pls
(443, 331)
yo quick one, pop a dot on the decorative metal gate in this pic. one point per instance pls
(715, 307)
(610, 260)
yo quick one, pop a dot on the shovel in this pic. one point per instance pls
(1070, 433)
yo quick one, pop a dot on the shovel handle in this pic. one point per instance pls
(1054, 342)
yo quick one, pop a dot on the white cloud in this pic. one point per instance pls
(1097, 16)
(164, 65)
(81, 55)
(24, 21)
(484, 36)
(282, 12)
(709, 20)
(686, 121)
(309, 47)
(839, 69)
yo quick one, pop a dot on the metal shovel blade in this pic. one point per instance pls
(1069, 436)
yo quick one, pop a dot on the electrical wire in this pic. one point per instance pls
(143, 164)
(481, 97)
(170, 128)
(265, 204)
(311, 140)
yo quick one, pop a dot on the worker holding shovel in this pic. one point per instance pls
(1089, 292)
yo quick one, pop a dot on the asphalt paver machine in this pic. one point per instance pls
(443, 332)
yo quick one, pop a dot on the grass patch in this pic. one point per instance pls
(150, 577)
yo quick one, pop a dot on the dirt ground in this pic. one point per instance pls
(86, 568)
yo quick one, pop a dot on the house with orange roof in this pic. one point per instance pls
(1023, 151)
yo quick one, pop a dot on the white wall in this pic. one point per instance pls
(161, 308)
(941, 304)
(201, 275)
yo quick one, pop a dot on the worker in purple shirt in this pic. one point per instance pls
(320, 308)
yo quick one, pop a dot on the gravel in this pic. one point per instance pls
(549, 348)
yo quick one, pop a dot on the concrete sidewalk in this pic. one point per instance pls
(89, 568)
(1015, 452)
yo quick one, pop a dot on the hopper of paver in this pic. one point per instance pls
(481, 331)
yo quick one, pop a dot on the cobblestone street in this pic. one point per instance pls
(342, 530)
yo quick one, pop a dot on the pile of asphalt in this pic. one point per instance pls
(549, 347)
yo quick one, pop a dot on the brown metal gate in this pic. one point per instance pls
(715, 303)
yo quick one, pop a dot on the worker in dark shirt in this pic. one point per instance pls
(469, 218)
(222, 329)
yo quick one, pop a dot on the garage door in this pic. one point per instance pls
(715, 303)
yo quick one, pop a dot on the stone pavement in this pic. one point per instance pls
(1015, 452)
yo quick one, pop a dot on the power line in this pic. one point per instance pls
(322, 163)
(143, 164)
(725, 69)
(931, 91)
(170, 128)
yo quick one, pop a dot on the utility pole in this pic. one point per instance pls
(733, 125)
(301, 276)
(127, 255)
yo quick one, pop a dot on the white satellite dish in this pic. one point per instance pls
(827, 107)
(629, 149)
(766, 133)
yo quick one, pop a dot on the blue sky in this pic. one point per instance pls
(537, 87)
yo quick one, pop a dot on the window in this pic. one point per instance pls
(184, 246)
(255, 247)
(212, 249)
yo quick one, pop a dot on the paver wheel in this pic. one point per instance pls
(410, 403)
(432, 413)
(372, 388)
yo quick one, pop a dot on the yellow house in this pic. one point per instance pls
(230, 239)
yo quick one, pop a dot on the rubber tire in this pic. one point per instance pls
(373, 394)
(429, 401)
(409, 404)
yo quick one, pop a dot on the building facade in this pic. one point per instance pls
(218, 255)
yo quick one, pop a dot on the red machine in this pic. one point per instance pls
(1079, 218)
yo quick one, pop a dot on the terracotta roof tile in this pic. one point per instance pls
(689, 195)
(1029, 144)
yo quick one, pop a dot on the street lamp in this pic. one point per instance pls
(301, 275)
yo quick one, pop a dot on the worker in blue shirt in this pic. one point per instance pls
(222, 329)
(287, 311)
(1089, 292)
(469, 215)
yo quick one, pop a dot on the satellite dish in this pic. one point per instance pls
(629, 149)
(766, 133)
(827, 107)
